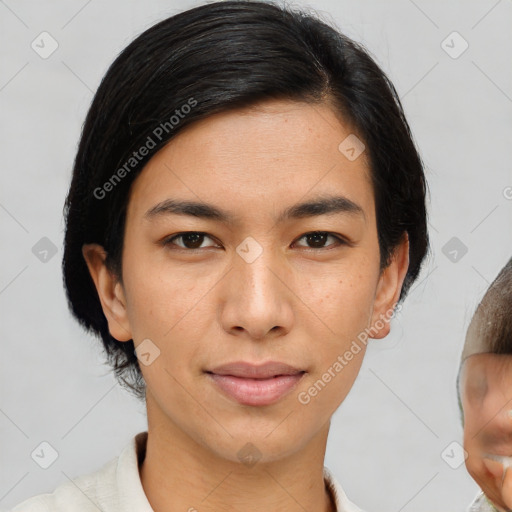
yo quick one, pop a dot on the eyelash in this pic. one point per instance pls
(169, 241)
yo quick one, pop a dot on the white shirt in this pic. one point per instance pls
(116, 487)
(482, 504)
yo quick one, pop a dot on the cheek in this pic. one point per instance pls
(473, 433)
(158, 301)
(171, 310)
(345, 299)
(344, 306)
(475, 449)
(473, 462)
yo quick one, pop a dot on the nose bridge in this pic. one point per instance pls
(256, 298)
(256, 266)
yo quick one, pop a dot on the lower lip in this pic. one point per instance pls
(256, 391)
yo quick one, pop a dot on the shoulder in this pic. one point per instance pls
(482, 504)
(83, 494)
(342, 503)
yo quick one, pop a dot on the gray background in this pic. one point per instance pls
(388, 437)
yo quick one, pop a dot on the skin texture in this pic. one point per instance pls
(486, 392)
(299, 302)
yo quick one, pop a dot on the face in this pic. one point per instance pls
(246, 279)
(486, 392)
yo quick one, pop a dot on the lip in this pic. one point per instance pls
(255, 371)
(256, 385)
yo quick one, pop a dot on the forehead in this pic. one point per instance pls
(268, 154)
(494, 371)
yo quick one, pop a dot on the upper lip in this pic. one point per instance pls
(253, 371)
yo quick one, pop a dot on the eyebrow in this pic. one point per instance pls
(323, 205)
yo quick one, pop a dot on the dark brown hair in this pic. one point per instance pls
(493, 315)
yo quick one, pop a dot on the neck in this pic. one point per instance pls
(178, 473)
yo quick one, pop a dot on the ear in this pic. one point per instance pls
(110, 292)
(389, 288)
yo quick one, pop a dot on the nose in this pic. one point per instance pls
(257, 296)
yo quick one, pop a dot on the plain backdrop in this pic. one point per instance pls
(394, 443)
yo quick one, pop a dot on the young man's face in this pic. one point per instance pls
(486, 393)
(254, 289)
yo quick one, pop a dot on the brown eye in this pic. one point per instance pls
(190, 240)
(317, 239)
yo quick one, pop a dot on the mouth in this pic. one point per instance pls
(255, 385)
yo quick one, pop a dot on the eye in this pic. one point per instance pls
(191, 240)
(318, 239)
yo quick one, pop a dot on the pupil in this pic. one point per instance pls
(316, 238)
(195, 238)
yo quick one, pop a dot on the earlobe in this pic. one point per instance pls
(389, 288)
(110, 292)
